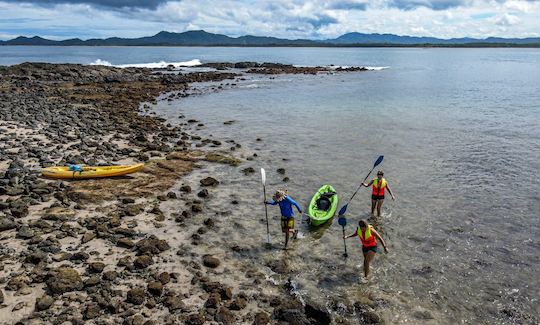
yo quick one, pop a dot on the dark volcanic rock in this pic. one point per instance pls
(319, 314)
(143, 261)
(155, 288)
(7, 224)
(44, 302)
(164, 278)
(209, 181)
(203, 193)
(109, 275)
(261, 318)
(225, 316)
(96, 267)
(210, 261)
(135, 296)
(291, 316)
(92, 311)
(64, 279)
(185, 189)
(152, 245)
(175, 303)
(238, 304)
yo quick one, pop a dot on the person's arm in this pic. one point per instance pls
(293, 202)
(354, 234)
(390, 191)
(378, 236)
(271, 202)
(368, 184)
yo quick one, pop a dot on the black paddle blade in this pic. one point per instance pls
(342, 221)
(343, 209)
(378, 161)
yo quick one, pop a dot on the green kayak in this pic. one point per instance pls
(323, 205)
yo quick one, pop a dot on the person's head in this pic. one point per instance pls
(279, 195)
(362, 224)
(380, 174)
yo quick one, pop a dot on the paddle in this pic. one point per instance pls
(343, 222)
(263, 176)
(344, 208)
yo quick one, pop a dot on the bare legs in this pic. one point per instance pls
(288, 231)
(368, 257)
(376, 204)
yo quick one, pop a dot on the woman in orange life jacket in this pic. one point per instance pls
(368, 237)
(379, 184)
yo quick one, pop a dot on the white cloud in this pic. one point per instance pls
(506, 20)
(279, 18)
(522, 6)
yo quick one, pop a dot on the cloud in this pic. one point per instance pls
(317, 19)
(522, 6)
(117, 4)
(506, 20)
(431, 4)
(347, 5)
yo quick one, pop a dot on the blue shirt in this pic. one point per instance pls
(286, 205)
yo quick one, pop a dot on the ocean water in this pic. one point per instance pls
(460, 131)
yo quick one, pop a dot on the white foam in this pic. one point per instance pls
(101, 62)
(377, 68)
(152, 65)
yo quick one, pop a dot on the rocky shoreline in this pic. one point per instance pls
(110, 251)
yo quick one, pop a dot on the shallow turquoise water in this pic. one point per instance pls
(460, 131)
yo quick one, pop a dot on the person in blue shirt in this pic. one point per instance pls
(286, 203)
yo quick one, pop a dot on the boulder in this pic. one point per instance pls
(225, 316)
(44, 303)
(59, 214)
(143, 261)
(96, 267)
(152, 245)
(319, 314)
(209, 181)
(261, 318)
(135, 296)
(203, 193)
(155, 288)
(64, 279)
(7, 223)
(210, 261)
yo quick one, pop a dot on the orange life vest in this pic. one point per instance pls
(378, 190)
(367, 238)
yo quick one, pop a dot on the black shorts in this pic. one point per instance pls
(377, 197)
(365, 250)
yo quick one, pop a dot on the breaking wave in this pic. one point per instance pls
(152, 65)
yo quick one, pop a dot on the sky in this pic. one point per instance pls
(313, 19)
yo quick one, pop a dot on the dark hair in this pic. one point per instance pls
(362, 223)
(380, 172)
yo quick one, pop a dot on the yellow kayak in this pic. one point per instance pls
(90, 171)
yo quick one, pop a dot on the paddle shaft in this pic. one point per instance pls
(359, 186)
(344, 242)
(266, 213)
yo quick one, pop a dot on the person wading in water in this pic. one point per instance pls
(287, 214)
(378, 184)
(368, 237)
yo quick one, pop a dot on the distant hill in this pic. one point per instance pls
(359, 38)
(202, 38)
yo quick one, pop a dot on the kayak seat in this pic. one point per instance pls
(323, 203)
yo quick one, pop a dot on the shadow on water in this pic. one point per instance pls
(317, 232)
